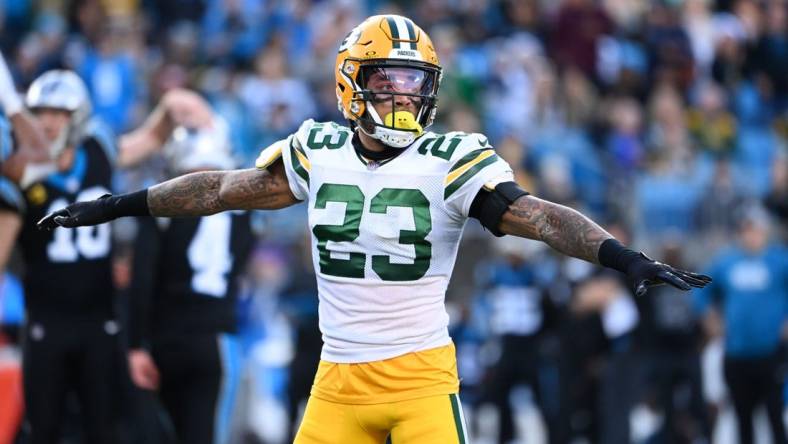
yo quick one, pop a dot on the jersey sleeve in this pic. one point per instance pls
(295, 160)
(473, 166)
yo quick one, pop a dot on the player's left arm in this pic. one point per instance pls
(561, 227)
(571, 233)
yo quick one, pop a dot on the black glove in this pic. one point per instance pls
(644, 272)
(91, 212)
(99, 211)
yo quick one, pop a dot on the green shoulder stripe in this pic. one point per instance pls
(467, 158)
(464, 177)
(296, 154)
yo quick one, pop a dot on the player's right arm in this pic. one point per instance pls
(32, 145)
(210, 192)
(196, 194)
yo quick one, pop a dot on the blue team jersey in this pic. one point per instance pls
(752, 290)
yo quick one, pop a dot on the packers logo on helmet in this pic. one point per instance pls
(388, 58)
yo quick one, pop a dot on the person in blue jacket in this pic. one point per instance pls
(750, 289)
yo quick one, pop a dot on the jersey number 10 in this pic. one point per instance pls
(88, 242)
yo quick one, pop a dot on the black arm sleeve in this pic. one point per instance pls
(143, 281)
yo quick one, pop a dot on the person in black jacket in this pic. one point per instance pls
(71, 334)
(183, 296)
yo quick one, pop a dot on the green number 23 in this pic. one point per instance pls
(353, 266)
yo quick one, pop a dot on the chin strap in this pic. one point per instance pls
(393, 137)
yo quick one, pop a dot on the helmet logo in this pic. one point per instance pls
(351, 39)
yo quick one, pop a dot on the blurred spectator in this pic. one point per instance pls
(624, 143)
(111, 76)
(750, 289)
(597, 341)
(12, 307)
(232, 30)
(182, 341)
(671, 58)
(728, 66)
(15, 17)
(300, 305)
(722, 201)
(669, 342)
(711, 124)
(577, 29)
(173, 11)
(770, 56)
(72, 341)
(699, 24)
(513, 299)
(278, 101)
(777, 198)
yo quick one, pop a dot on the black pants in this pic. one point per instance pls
(519, 364)
(81, 356)
(199, 373)
(755, 381)
(673, 383)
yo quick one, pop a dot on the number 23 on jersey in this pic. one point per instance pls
(348, 231)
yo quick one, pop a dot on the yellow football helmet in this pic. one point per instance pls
(384, 57)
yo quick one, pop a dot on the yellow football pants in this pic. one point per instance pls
(430, 420)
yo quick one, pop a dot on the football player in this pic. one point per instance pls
(183, 286)
(71, 336)
(387, 203)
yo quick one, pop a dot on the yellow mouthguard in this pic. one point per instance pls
(403, 120)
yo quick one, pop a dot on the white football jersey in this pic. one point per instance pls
(384, 235)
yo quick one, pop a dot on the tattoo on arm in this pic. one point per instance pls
(209, 192)
(255, 189)
(563, 228)
(195, 194)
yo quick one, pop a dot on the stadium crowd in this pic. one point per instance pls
(666, 120)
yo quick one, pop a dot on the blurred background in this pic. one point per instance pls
(666, 121)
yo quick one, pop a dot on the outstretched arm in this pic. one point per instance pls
(563, 228)
(573, 234)
(199, 194)
(196, 194)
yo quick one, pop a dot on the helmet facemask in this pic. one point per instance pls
(379, 81)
